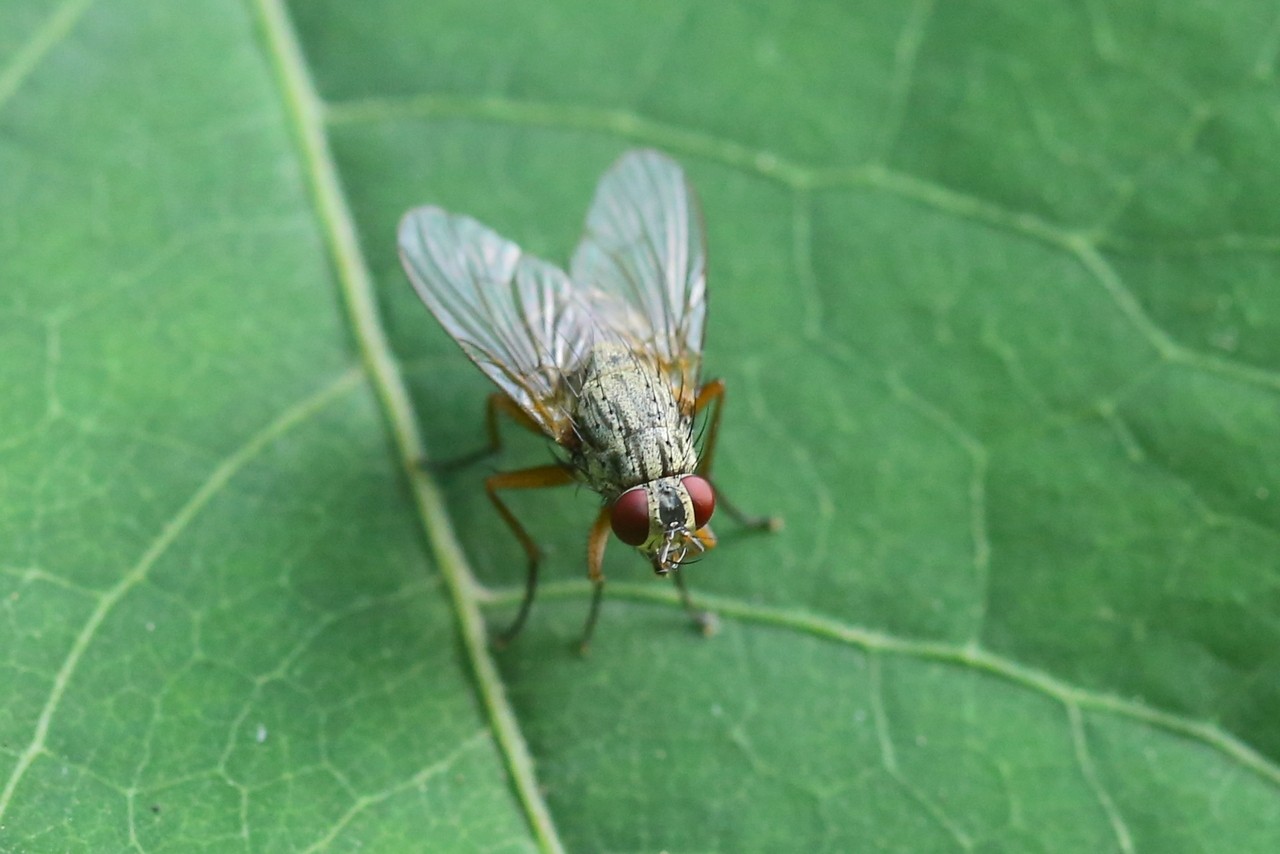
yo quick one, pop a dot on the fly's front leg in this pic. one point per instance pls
(713, 393)
(705, 622)
(534, 478)
(496, 404)
(596, 542)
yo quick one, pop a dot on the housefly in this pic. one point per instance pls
(605, 361)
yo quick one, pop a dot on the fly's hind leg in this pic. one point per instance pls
(596, 542)
(532, 478)
(496, 404)
(713, 393)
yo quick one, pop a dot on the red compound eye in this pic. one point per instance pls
(703, 498)
(630, 516)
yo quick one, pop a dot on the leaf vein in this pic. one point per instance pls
(969, 655)
(46, 37)
(424, 775)
(354, 278)
(906, 54)
(169, 533)
(889, 758)
(801, 177)
(1080, 743)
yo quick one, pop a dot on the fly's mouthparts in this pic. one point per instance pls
(664, 561)
(663, 565)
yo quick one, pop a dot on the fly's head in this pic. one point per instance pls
(665, 518)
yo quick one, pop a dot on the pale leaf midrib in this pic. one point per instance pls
(356, 285)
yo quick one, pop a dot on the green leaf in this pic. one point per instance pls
(993, 290)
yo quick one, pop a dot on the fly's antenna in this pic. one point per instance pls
(689, 543)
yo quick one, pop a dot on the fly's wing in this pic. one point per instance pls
(513, 314)
(641, 265)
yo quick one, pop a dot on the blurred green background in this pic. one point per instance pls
(994, 290)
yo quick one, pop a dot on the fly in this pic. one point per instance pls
(604, 360)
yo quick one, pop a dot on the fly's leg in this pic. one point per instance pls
(704, 621)
(755, 523)
(713, 393)
(533, 478)
(496, 404)
(596, 541)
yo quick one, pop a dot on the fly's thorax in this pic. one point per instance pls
(662, 518)
(629, 423)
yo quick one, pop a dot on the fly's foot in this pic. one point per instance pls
(705, 623)
(769, 524)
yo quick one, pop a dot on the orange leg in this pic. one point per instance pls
(596, 542)
(713, 392)
(496, 404)
(704, 621)
(533, 478)
(499, 402)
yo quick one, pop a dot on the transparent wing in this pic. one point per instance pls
(641, 264)
(513, 314)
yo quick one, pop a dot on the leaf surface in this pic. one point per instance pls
(993, 290)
